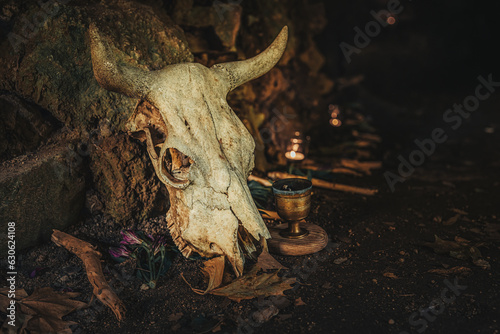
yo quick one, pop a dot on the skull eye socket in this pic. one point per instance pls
(177, 164)
(171, 165)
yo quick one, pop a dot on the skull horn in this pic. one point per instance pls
(238, 72)
(120, 78)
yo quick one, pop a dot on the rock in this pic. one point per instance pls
(40, 192)
(23, 127)
(48, 62)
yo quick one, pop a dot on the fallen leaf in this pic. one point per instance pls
(452, 220)
(214, 269)
(390, 275)
(460, 248)
(267, 214)
(266, 261)
(299, 302)
(340, 260)
(42, 312)
(253, 285)
(450, 271)
(441, 246)
(482, 263)
(460, 212)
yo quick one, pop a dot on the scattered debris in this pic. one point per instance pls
(460, 249)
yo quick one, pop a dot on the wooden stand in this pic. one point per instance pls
(315, 241)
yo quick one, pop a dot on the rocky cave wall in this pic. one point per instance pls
(63, 140)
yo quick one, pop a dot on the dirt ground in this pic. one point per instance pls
(376, 275)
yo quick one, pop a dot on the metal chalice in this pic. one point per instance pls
(293, 203)
(295, 237)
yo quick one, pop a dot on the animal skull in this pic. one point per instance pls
(199, 148)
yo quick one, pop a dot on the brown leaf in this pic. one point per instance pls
(460, 249)
(299, 302)
(450, 271)
(44, 309)
(390, 275)
(266, 261)
(253, 285)
(461, 212)
(441, 246)
(214, 269)
(452, 220)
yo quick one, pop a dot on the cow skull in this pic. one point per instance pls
(199, 148)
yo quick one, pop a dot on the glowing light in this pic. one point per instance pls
(335, 122)
(296, 156)
(391, 20)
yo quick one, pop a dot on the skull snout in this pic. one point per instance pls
(220, 179)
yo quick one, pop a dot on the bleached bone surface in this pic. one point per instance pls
(199, 148)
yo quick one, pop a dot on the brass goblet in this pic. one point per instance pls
(293, 203)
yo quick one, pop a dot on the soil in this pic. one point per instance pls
(374, 276)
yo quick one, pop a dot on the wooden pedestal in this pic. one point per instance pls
(315, 241)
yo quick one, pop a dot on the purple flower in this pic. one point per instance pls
(35, 272)
(130, 238)
(159, 242)
(121, 251)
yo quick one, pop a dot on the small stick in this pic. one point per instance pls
(325, 184)
(92, 262)
(336, 170)
(264, 182)
(364, 166)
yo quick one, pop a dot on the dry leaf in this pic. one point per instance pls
(267, 214)
(390, 275)
(299, 302)
(43, 310)
(214, 269)
(340, 260)
(450, 271)
(266, 261)
(254, 285)
(452, 220)
(461, 212)
(460, 248)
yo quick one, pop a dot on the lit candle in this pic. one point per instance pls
(295, 156)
